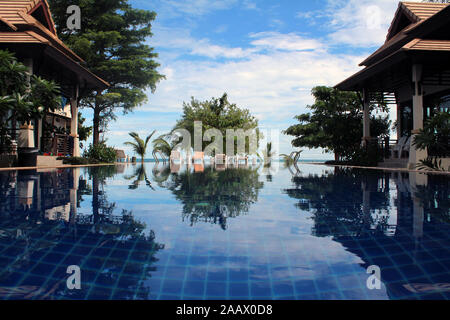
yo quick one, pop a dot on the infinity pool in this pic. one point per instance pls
(155, 232)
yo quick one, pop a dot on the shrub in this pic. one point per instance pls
(76, 161)
(368, 156)
(100, 153)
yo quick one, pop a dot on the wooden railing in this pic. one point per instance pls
(59, 145)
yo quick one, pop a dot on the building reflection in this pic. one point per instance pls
(42, 233)
(397, 221)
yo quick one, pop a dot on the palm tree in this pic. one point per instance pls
(139, 146)
(164, 145)
(267, 154)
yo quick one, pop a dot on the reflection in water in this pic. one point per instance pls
(213, 196)
(314, 240)
(41, 234)
(139, 175)
(397, 221)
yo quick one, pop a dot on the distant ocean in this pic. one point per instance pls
(300, 161)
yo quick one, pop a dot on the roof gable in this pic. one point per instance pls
(41, 12)
(5, 24)
(11, 12)
(418, 14)
(411, 13)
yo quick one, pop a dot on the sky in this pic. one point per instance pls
(266, 55)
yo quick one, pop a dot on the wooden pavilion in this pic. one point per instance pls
(411, 69)
(27, 30)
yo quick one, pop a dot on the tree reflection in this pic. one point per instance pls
(139, 175)
(337, 201)
(215, 196)
(41, 234)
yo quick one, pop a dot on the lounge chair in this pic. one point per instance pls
(199, 167)
(199, 157)
(242, 158)
(220, 159)
(175, 156)
(396, 151)
(220, 162)
(406, 147)
(175, 167)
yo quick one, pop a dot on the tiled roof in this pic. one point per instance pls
(47, 34)
(28, 30)
(9, 24)
(16, 13)
(418, 12)
(9, 10)
(21, 37)
(424, 10)
(420, 44)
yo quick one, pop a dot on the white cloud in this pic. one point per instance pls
(181, 41)
(359, 23)
(273, 77)
(288, 42)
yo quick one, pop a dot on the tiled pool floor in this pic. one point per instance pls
(157, 232)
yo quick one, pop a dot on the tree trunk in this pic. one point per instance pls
(96, 126)
(336, 157)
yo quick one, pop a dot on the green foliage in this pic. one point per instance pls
(164, 145)
(368, 156)
(435, 136)
(84, 132)
(431, 164)
(113, 42)
(100, 153)
(267, 155)
(217, 114)
(23, 97)
(335, 123)
(292, 158)
(139, 145)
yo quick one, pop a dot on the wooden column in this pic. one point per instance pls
(366, 120)
(74, 125)
(416, 155)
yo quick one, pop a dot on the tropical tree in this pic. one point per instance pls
(164, 145)
(217, 114)
(268, 155)
(113, 41)
(335, 123)
(139, 145)
(84, 132)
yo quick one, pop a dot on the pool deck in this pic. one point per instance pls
(312, 163)
(381, 169)
(57, 167)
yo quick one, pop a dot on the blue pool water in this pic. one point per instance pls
(155, 232)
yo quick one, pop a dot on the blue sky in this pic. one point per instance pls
(267, 55)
